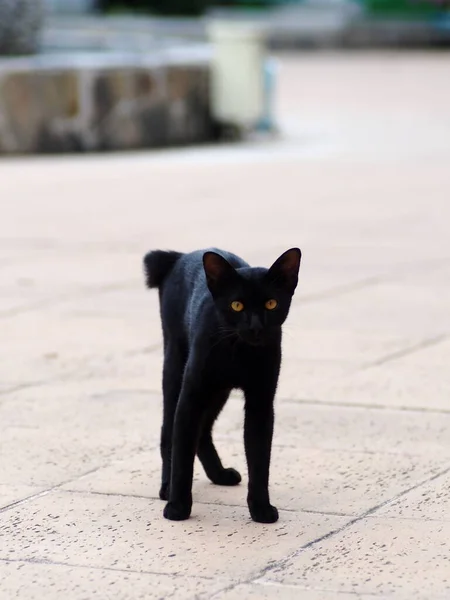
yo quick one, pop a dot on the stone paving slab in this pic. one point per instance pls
(391, 317)
(61, 458)
(430, 501)
(108, 531)
(402, 385)
(376, 556)
(303, 341)
(345, 427)
(52, 581)
(10, 494)
(346, 483)
(275, 591)
(60, 437)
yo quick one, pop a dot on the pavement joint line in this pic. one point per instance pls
(65, 378)
(332, 450)
(300, 588)
(140, 497)
(387, 276)
(44, 561)
(317, 402)
(43, 492)
(428, 264)
(145, 350)
(414, 519)
(355, 451)
(371, 406)
(407, 351)
(55, 301)
(418, 485)
(390, 275)
(340, 290)
(280, 564)
(304, 401)
(25, 386)
(58, 486)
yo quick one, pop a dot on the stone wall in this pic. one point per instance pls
(53, 105)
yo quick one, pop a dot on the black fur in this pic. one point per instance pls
(209, 349)
(157, 265)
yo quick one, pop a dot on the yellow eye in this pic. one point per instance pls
(237, 306)
(271, 304)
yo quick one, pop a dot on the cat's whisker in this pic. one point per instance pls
(228, 334)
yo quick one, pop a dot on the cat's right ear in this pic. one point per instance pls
(218, 271)
(284, 270)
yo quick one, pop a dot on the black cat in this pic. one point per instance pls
(221, 322)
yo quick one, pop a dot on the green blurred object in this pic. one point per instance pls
(402, 8)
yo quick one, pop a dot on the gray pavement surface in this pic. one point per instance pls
(360, 180)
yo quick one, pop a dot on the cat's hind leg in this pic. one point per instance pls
(173, 369)
(206, 450)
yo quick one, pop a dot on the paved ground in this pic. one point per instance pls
(361, 462)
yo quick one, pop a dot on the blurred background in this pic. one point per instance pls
(92, 75)
(401, 8)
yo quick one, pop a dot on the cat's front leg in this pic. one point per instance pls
(258, 432)
(186, 431)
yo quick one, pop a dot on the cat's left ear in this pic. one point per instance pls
(284, 270)
(218, 271)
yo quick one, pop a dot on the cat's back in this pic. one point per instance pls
(184, 295)
(188, 272)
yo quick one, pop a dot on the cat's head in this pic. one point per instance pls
(253, 302)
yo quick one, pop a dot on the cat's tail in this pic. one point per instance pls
(157, 265)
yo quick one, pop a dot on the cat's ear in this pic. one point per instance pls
(284, 271)
(218, 271)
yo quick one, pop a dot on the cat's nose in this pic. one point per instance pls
(254, 334)
(255, 326)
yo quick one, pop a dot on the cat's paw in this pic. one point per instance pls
(175, 511)
(263, 513)
(164, 491)
(227, 477)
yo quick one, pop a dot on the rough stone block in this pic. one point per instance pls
(188, 96)
(99, 106)
(40, 111)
